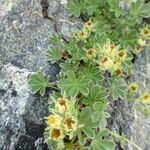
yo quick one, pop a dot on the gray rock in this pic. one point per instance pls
(140, 132)
(21, 113)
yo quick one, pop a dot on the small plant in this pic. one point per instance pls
(94, 64)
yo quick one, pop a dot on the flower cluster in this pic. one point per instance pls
(143, 37)
(111, 58)
(144, 98)
(62, 122)
(84, 33)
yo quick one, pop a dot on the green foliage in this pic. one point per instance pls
(99, 113)
(38, 83)
(54, 54)
(72, 85)
(85, 119)
(91, 73)
(117, 88)
(75, 8)
(100, 143)
(114, 7)
(96, 94)
(94, 65)
(139, 10)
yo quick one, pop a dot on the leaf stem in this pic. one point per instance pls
(52, 86)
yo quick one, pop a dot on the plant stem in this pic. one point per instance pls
(52, 86)
(118, 137)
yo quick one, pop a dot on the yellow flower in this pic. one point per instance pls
(62, 104)
(111, 50)
(118, 73)
(137, 50)
(91, 53)
(133, 87)
(145, 98)
(106, 63)
(122, 55)
(141, 41)
(70, 124)
(145, 33)
(116, 65)
(89, 25)
(54, 121)
(82, 35)
(56, 134)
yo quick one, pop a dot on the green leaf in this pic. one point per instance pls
(68, 66)
(85, 118)
(71, 85)
(114, 7)
(103, 133)
(38, 83)
(96, 93)
(75, 8)
(118, 88)
(81, 138)
(139, 10)
(106, 145)
(129, 38)
(91, 72)
(91, 6)
(85, 113)
(86, 122)
(99, 113)
(102, 144)
(55, 39)
(89, 132)
(54, 54)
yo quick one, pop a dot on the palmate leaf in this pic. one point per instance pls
(91, 72)
(114, 7)
(72, 85)
(86, 120)
(102, 145)
(68, 66)
(75, 8)
(129, 38)
(55, 39)
(38, 83)
(117, 88)
(96, 93)
(99, 143)
(89, 132)
(91, 6)
(99, 113)
(54, 54)
(139, 10)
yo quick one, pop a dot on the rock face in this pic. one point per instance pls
(140, 128)
(24, 39)
(21, 113)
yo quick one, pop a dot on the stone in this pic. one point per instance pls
(21, 113)
(140, 132)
